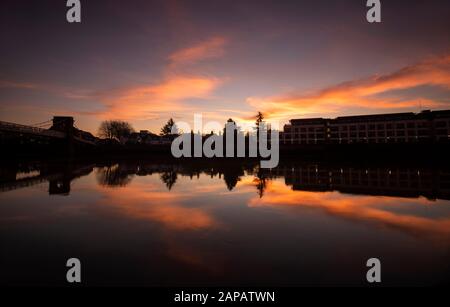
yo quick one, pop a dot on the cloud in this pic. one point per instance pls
(167, 96)
(19, 85)
(363, 93)
(211, 48)
(54, 89)
(381, 211)
(148, 202)
(147, 102)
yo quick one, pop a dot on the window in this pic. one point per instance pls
(422, 125)
(441, 124)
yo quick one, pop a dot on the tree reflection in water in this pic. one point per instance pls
(261, 180)
(114, 176)
(410, 181)
(121, 174)
(169, 178)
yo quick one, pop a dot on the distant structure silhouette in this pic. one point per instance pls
(60, 135)
(424, 127)
(410, 181)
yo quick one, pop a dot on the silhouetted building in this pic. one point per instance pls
(145, 137)
(426, 126)
(63, 124)
(401, 182)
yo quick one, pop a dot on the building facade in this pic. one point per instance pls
(426, 126)
(382, 181)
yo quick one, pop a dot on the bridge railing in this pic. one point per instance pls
(81, 139)
(5, 126)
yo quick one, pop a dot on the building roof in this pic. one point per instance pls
(308, 121)
(427, 114)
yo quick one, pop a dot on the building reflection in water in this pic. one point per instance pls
(432, 183)
(386, 181)
(219, 221)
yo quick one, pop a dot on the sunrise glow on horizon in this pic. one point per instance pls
(171, 59)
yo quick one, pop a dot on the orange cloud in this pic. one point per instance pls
(147, 202)
(362, 93)
(361, 208)
(148, 102)
(143, 102)
(211, 48)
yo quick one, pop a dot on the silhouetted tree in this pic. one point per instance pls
(114, 129)
(259, 118)
(260, 182)
(169, 178)
(167, 129)
(232, 175)
(113, 176)
(231, 180)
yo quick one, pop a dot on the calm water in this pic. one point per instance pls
(178, 224)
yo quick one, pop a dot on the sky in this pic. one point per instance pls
(146, 61)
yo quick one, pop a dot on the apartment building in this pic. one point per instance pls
(397, 181)
(426, 126)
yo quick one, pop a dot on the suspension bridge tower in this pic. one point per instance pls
(65, 124)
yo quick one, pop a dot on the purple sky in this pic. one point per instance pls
(146, 61)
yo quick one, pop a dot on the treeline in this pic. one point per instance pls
(118, 130)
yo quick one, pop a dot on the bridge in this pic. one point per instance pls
(60, 127)
(59, 180)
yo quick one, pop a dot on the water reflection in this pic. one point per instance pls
(169, 178)
(114, 175)
(206, 223)
(432, 183)
(58, 176)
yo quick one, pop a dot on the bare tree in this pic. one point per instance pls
(114, 129)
